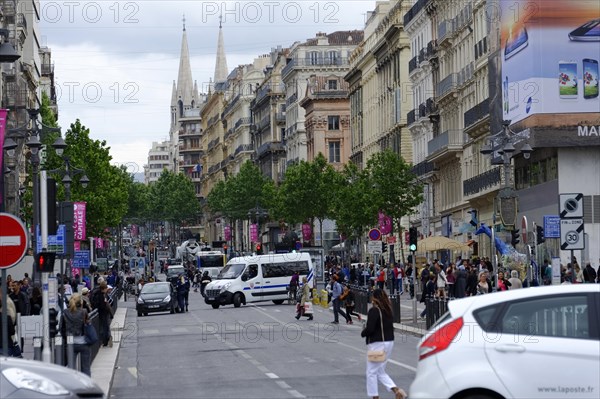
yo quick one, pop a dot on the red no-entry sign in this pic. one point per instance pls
(13, 240)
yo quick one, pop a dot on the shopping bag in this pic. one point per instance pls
(308, 308)
(91, 336)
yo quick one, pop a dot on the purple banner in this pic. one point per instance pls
(79, 221)
(3, 113)
(306, 232)
(385, 223)
(227, 233)
(253, 232)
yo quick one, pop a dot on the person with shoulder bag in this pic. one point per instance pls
(379, 335)
(73, 323)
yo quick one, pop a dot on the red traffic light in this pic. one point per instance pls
(258, 249)
(44, 262)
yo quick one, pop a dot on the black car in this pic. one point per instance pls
(156, 297)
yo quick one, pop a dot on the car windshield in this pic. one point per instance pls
(211, 260)
(231, 271)
(155, 289)
(174, 271)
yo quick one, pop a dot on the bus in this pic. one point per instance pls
(210, 259)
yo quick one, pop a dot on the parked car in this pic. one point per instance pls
(541, 342)
(30, 379)
(156, 297)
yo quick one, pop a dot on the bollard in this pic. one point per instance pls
(37, 348)
(58, 350)
(71, 353)
(324, 299)
(315, 296)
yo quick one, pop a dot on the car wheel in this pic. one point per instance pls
(215, 306)
(479, 396)
(139, 314)
(237, 300)
(278, 301)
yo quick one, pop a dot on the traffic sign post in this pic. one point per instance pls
(572, 234)
(14, 242)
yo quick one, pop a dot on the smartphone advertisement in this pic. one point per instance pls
(550, 51)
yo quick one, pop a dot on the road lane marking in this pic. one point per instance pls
(150, 331)
(364, 352)
(179, 330)
(272, 376)
(133, 372)
(296, 394)
(263, 369)
(282, 384)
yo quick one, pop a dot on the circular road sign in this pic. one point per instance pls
(374, 234)
(14, 240)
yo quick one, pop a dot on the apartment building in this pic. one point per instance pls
(324, 55)
(159, 159)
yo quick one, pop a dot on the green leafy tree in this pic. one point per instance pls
(138, 205)
(307, 192)
(353, 208)
(173, 198)
(395, 189)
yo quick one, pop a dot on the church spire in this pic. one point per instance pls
(221, 70)
(185, 83)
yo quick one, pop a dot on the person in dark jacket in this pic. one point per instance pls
(204, 280)
(460, 287)
(379, 335)
(100, 301)
(428, 293)
(20, 298)
(73, 320)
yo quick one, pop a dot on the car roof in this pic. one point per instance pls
(461, 306)
(290, 256)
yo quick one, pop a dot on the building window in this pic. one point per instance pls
(332, 57)
(332, 84)
(333, 122)
(334, 152)
(313, 57)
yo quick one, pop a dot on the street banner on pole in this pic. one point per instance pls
(79, 220)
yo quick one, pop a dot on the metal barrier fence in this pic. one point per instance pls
(362, 299)
(435, 308)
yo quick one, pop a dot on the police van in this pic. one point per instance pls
(257, 278)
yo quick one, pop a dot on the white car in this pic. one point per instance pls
(524, 343)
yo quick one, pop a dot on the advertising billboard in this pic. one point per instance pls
(550, 50)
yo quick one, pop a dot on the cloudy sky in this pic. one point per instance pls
(115, 61)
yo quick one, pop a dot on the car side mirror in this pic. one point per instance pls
(245, 277)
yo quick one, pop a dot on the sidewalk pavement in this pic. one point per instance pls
(103, 366)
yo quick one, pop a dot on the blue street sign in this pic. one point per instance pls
(81, 260)
(56, 243)
(551, 226)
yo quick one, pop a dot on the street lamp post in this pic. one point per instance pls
(502, 145)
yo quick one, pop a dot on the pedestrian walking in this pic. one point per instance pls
(515, 282)
(428, 293)
(336, 292)
(460, 285)
(348, 298)
(379, 336)
(72, 323)
(100, 301)
(484, 286)
(204, 280)
(304, 299)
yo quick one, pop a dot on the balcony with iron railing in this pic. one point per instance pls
(214, 168)
(477, 114)
(291, 99)
(243, 148)
(280, 117)
(264, 123)
(413, 64)
(486, 181)
(229, 134)
(423, 168)
(432, 50)
(445, 30)
(422, 55)
(481, 48)
(431, 106)
(242, 121)
(270, 147)
(447, 143)
(213, 120)
(322, 61)
(414, 11)
(447, 85)
(229, 107)
(213, 144)
(187, 147)
(411, 117)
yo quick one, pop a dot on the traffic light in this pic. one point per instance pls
(413, 235)
(540, 235)
(52, 322)
(44, 262)
(259, 249)
(384, 247)
(515, 239)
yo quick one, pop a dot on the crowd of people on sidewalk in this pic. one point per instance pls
(76, 299)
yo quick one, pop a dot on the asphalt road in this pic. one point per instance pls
(256, 351)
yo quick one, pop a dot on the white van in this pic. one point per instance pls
(257, 278)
